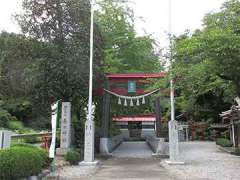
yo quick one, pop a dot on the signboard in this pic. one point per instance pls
(131, 86)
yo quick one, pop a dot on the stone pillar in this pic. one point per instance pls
(173, 143)
(5, 139)
(89, 141)
(89, 158)
(65, 142)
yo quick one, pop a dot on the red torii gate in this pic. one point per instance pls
(118, 83)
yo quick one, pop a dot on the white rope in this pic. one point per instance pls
(131, 97)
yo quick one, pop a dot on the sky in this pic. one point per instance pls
(186, 14)
(153, 16)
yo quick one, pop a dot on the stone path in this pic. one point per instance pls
(204, 161)
(130, 161)
(132, 169)
(133, 149)
(118, 169)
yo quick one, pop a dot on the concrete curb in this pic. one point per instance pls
(172, 171)
(224, 149)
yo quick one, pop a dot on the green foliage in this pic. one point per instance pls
(5, 118)
(62, 68)
(223, 142)
(207, 63)
(16, 125)
(124, 52)
(78, 121)
(42, 152)
(73, 157)
(114, 130)
(17, 53)
(32, 140)
(21, 162)
(20, 108)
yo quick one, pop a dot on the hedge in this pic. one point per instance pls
(21, 161)
(73, 157)
(223, 142)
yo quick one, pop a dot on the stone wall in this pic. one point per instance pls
(108, 145)
(158, 145)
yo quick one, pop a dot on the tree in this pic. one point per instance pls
(207, 63)
(63, 26)
(17, 54)
(124, 52)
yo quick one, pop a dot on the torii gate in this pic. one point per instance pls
(130, 83)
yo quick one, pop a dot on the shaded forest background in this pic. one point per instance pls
(49, 60)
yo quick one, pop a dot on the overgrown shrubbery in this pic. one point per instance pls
(21, 161)
(223, 142)
(5, 118)
(21, 108)
(73, 157)
(16, 125)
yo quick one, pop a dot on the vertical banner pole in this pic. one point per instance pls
(173, 124)
(54, 108)
(89, 125)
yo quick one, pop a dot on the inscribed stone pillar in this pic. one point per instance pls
(173, 141)
(89, 141)
(65, 141)
(89, 158)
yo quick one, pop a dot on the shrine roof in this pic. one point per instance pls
(138, 75)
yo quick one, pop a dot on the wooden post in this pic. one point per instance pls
(158, 117)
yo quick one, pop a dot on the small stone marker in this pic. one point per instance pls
(5, 139)
(65, 141)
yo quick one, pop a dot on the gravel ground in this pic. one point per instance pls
(205, 161)
(76, 172)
